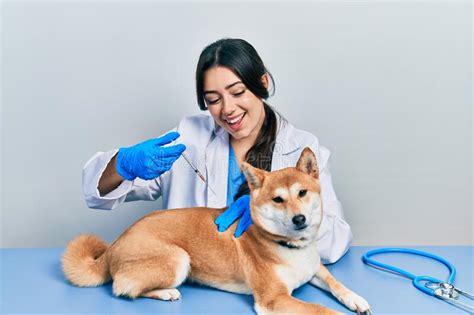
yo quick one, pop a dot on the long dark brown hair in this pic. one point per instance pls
(241, 58)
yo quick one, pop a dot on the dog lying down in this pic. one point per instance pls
(276, 255)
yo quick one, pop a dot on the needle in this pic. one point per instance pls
(196, 170)
(198, 173)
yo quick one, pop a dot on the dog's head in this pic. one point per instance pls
(287, 202)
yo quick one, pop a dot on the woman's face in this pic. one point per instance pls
(231, 104)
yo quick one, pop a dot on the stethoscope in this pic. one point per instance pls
(443, 290)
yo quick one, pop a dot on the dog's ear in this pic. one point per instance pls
(307, 163)
(253, 175)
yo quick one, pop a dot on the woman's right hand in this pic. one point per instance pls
(148, 159)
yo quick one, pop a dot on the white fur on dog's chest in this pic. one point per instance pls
(301, 265)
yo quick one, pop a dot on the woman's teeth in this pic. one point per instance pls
(235, 120)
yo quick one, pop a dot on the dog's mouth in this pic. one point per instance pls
(299, 228)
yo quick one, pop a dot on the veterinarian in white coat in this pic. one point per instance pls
(208, 140)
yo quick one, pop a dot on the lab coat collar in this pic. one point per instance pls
(286, 139)
(217, 164)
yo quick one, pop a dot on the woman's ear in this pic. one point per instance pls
(265, 80)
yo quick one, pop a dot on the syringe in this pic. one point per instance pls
(198, 173)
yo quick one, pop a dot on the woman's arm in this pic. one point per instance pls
(110, 179)
(104, 188)
(97, 197)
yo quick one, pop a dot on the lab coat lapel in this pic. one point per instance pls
(217, 164)
(285, 144)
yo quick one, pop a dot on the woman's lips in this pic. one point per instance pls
(237, 125)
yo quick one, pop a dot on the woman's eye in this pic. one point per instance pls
(212, 101)
(239, 93)
(302, 193)
(278, 199)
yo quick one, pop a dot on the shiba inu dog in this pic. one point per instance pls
(277, 254)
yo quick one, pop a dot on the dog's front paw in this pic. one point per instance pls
(356, 303)
(164, 294)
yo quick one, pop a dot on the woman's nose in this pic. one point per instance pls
(228, 106)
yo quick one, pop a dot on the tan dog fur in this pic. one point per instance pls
(164, 248)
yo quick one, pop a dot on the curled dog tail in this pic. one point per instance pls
(85, 263)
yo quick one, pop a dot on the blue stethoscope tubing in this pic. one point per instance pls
(415, 279)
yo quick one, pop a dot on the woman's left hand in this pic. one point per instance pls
(239, 209)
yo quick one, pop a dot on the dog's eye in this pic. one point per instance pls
(302, 193)
(278, 199)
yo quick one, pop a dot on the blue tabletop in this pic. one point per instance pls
(32, 282)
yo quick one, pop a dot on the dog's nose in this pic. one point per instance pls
(299, 220)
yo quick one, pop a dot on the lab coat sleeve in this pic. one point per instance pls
(335, 235)
(137, 189)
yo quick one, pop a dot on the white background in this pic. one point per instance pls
(386, 86)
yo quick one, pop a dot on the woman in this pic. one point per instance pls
(231, 82)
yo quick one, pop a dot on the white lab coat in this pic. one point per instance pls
(207, 145)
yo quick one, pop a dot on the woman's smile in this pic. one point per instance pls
(235, 122)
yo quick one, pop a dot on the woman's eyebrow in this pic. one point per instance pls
(227, 87)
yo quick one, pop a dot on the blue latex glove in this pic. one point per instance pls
(148, 159)
(239, 209)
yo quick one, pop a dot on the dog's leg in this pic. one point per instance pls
(273, 297)
(153, 272)
(286, 304)
(324, 280)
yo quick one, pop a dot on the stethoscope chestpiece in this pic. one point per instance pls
(443, 289)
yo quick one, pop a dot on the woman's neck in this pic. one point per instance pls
(242, 146)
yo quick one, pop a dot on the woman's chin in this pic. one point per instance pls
(239, 134)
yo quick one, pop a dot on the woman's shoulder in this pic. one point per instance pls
(288, 132)
(303, 138)
(196, 124)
